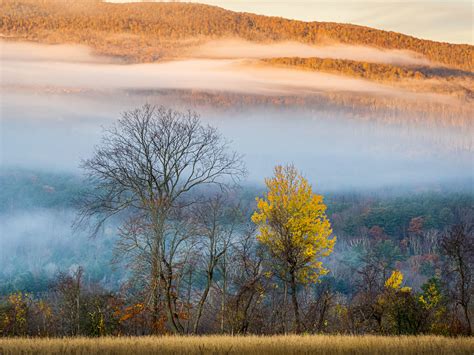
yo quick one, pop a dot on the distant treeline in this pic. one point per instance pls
(398, 110)
(145, 32)
(448, 81)
(366, 70)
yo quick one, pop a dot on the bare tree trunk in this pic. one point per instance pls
(295, 303)
(78, 301)
(464, 297)
(245, 321)
(285, 308)
(155, 289)
(171, 309)
(201, 303)
(224, 291)
(188, 299)
(468, 319)
(324, 307)
(156, 267)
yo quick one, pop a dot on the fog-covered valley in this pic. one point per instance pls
(56, 99)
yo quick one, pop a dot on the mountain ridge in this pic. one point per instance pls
(148, 32)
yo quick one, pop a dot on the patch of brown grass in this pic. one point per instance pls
(292, 344)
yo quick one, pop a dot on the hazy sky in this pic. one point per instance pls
(448, 20)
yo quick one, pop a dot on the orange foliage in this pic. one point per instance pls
(144, 32)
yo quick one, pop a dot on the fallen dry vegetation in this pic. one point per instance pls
(321, 344)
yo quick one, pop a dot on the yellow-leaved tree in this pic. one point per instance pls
(295, 230)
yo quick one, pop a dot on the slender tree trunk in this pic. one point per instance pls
(172, 316)
(78, 309)
(156, 267)
(464, 296)
(202, 301)
(285, 308)
(188, 299)
(245, 321)
(155, 289)
(466, 314)
(78, 300)
(224, 291)
(294, 298)
(323, 311)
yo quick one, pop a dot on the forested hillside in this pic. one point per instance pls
(146, 32)
(415, 78)
(372, 71)
(164, 32)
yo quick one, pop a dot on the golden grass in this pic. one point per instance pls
(292, 344)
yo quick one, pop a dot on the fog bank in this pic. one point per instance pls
(244, 49)
(56, 99)
(74, 68)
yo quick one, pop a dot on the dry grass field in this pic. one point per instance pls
(311, 344)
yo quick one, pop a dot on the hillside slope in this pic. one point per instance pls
(146, 32)
(454, 82)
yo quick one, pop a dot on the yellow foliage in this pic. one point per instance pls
(293, 224)
(395, 280)
(431, 297)
(18, 319)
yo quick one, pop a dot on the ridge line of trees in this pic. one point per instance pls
(146, 32)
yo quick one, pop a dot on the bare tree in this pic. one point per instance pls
(70, 288)
(215, 222)
(457, 247)
(320, 301)
(145, 168)
(247, 279)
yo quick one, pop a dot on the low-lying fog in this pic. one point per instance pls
(54, 132)
(242, 49)
(54, 100)
(41, 242)
(44, 68)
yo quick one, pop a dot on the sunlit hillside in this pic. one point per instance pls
(396, 76)
(144, 32)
